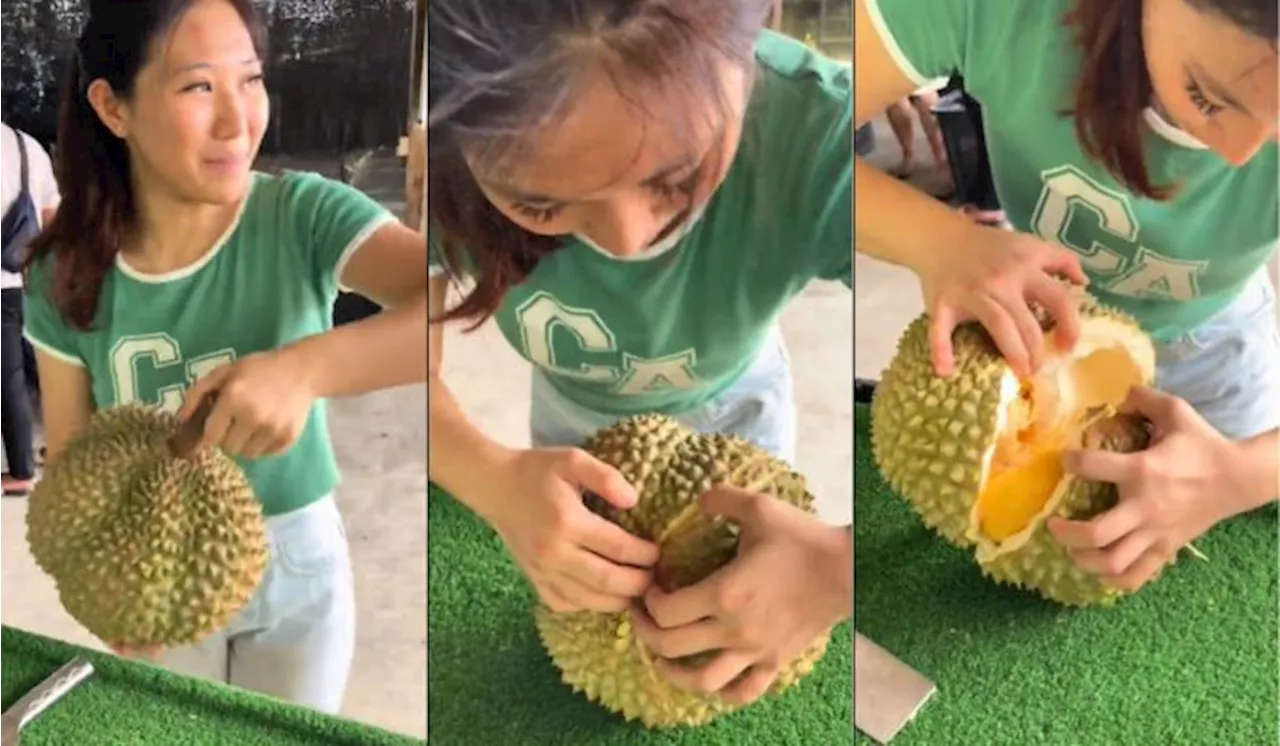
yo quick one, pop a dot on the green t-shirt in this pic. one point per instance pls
(668, 332)
(1171, 264)
(271, 280)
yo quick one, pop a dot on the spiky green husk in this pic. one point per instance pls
(930, 435)
(598, 654)
(146, 549)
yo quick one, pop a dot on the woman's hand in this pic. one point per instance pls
(574, 558)
(1170, 493)
(263, 403)
(991, 277)
(151, 654)
(790, 583)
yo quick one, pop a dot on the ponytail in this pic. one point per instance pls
(96, 212)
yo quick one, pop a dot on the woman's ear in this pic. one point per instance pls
(108, 108)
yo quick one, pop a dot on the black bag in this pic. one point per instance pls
(22, 221)
(960, 120)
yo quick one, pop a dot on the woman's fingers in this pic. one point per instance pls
(578, 595)
(1056, 299)
(602, 576)
(1005, 327)
(1064, 261)
(1118, 558)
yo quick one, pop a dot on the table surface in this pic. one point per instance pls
(136, 703)
(1190, 659)
(491, 682)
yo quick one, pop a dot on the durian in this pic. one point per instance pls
(146, 549)
(978, 455)
(670, 466)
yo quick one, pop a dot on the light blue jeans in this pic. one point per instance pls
(296, 638)
(759, 407)
(1228, 367)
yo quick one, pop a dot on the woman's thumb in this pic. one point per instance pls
(592, 474)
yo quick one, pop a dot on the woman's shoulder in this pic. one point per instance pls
(792, 72)
(299, 195)
(801, 111)
(286, 184)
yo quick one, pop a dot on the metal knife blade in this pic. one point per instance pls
(40, 698)
(887, 693)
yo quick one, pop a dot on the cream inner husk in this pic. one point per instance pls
(1022, 478)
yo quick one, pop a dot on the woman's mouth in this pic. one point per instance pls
(229, 163)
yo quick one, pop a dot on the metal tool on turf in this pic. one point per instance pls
(887, 693)
(36, 701)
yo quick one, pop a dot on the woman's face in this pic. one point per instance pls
(1212, 79)
(199, 108)
(612, 172)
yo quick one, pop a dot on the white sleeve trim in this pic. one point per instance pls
(891, 44)
(356, 243)
(52, 351)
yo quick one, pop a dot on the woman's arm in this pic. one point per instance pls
(389, 348)
(1257, 468)
(66, 401)
(459, 456)
(893, 221)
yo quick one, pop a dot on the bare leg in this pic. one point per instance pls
(899, 115)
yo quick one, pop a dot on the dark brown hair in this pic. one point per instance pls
(97, 213)
(495, 74)
(1114, 86)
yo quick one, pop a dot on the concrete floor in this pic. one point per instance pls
(887, 298)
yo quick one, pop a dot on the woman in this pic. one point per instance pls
(171, 263)
(1140, 136)
(637, 188)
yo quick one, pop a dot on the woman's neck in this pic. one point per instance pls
(173, 233)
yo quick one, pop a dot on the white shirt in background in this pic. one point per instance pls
(40, 182)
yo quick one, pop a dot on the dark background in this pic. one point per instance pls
(338, 70)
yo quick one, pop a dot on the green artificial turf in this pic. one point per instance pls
(138, 704)
(491, 683)
(1191, 659)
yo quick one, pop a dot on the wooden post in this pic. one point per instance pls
(774, 21)
(415, 176)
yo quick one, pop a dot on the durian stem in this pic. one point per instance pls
(1196, 552)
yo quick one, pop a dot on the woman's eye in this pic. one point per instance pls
(1201, 102)
(538, 214)
(681, 189)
